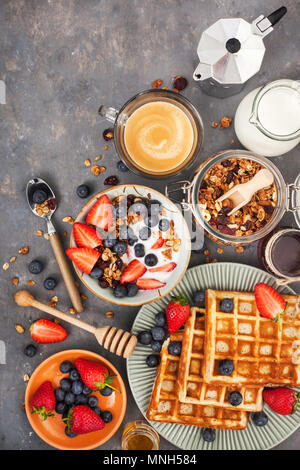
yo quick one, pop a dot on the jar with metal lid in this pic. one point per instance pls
(287, 198)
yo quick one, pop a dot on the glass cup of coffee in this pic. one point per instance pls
(157, 133)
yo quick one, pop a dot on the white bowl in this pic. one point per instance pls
(182, 258)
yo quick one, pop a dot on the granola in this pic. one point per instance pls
(250, 218)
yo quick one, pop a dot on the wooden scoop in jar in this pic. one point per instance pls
(119, 342)
(241, 194)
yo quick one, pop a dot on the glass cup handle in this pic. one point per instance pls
(108, 113)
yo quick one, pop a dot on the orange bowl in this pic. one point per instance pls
(52, 430)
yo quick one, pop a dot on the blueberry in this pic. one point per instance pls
(74, 374)
(106, 416)
(96, 272)
(152, 360)
(139, 250)
(81, 399)
(120, 211)
(60, 407)
(120, 291)
(69, 398)
(30, 350)
(226, 305)
(65, 384)
(208, 434)
(132, 240)
(97, 410)
(59, 394)
(106, 391)
(77, 387)
(69, 433)
(65, 367)
(174, 348)
(120, 248)
(160, 319)
(103, 283)
(138, 208)
(83, 191)
(151, 259)
(164, 225)
(154, 207)
(132, 289)
(39, 196)
(151, 220)
(35, 267)
(156, 346)
(86, 390)
(145, 338)
(92, 401)
(235, 398)
(199, 298)
(109, 241)
(158, 333)
(226, 367)
(122, 167)
(145, 233)
(49, 283)
(260, 418)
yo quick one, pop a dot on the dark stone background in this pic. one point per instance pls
(60, 59)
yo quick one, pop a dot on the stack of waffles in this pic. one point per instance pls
(191, 390)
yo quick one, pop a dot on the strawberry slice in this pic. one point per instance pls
(269, 302)
(166, 268)
(148, 284)
(101, 214)
(46, 331)
(86, 236)
(133, 271)
(84, 258)
(158, 244)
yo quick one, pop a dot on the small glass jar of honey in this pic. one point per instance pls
(139, 435)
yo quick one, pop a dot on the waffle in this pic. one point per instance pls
(261, 354)
(191, 385)
(165, 407)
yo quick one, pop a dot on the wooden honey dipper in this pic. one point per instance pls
(116, 341)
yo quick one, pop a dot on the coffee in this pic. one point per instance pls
(158, 136)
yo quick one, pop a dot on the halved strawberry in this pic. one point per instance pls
(166, 268)
(133, 271)
(158, 244)
(46, 331)
(101, 214)
(84, 258)
(86, 236)
(269, 302)
(148, 284)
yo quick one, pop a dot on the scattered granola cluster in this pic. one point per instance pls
(179, 84)
(250, 218)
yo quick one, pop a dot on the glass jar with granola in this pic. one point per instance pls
(217, 175)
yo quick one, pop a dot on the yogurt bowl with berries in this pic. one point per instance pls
(130, 245)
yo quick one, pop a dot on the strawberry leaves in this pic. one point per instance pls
(107, 383)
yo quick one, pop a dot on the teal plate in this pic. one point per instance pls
(223, 276)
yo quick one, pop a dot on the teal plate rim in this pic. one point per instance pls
(141, 378)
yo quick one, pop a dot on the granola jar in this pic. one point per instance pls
(286, 196)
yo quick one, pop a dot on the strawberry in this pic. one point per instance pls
(86, 236)
(158, 244)
(101, 214)
(46, 331)
(94, 375)
(43, 401)
(177, 312)
(133, 271)
(84, 258)
(282, 400)
(82, 420)
(148, 284)
(269, 302)
(166, 268)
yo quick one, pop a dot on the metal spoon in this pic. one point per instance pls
(39, 184)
